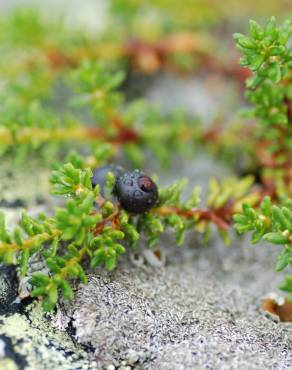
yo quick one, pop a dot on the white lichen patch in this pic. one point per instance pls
(41, 345)
(84, 321)
(18, 183)
(2, 348)
(8, 364)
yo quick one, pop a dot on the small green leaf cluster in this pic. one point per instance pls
(153, 224)
(268, 54)
(266, 50)
(273, 224)
(26, 239)
(80, 229)
(97, 84)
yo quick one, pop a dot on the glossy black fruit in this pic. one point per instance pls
(136, 192)
(99, 175)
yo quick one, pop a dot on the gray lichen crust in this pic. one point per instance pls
(199, 311)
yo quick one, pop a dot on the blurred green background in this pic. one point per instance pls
(148, 17)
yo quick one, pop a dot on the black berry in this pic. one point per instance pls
(99, 175)
(136, 192)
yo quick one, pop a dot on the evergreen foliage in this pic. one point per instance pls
(93, 230)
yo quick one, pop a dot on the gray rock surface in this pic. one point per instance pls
(206, 96)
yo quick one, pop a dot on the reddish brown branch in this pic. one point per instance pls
(280, 159)
(221, 217)
(59, 60)
(122, 135)
(151, 57)
(113, 219)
